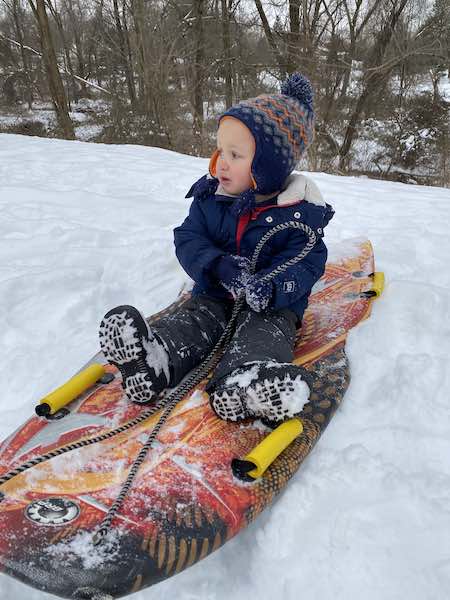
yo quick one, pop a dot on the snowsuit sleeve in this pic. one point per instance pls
(193, 245)
(297, 281)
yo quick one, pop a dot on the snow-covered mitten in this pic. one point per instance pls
(258, 293)
(272, 392)
(128, 343)
(233, 272)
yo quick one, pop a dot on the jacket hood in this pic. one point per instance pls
(299, 187)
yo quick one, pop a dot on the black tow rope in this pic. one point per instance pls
(169, 402)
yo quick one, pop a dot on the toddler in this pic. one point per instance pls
(249, 189)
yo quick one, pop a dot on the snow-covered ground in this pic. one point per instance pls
(84, 227)
(43, 113)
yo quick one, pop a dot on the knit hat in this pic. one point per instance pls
(283, 127)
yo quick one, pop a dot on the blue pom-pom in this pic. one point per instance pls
(299, 87)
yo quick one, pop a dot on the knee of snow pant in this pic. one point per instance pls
(191, 331)
(259, 337)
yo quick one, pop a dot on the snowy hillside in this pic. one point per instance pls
(84, 227)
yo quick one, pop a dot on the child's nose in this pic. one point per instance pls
(223, 163)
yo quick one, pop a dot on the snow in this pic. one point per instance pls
(85, 227)
(243, 378)
(81, 547)
(423, 83)
(293, 399)
(196, 399)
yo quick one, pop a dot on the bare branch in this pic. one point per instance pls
(61, 70)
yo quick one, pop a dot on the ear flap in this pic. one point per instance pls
(213, 163)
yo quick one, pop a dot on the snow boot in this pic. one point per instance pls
(128, 342)
(270, 391)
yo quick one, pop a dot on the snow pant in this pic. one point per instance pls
(191, 332)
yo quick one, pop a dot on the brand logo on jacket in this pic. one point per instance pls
(289, 286)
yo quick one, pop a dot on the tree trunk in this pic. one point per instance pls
(349, 57)
(81, 71)
(226, 41)
(435, 77)
(309, 26)
(354, 33)
(145, 100)
(128, 45)
(271, 40)
(66, 48)
(123, 55)
(51, 65)
(372, 80)
(198, 79)
(93, 36)
(18, 16)
(293, 46)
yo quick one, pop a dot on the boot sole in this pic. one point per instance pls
(123, 332)
(264, 399)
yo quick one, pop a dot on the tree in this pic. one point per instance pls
(198, 73)
(226, 42)
(125, 55)
(55, 83)
(374, 77)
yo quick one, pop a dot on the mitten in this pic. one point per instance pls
(233, 272)
(258, 293)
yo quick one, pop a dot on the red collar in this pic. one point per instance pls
(245, 219)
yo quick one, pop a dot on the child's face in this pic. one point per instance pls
(236, 147)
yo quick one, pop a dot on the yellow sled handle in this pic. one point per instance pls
(377, 286)
(69, 390)
(378, 283)
(262, 456)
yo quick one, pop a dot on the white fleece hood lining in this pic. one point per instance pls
(298, 188)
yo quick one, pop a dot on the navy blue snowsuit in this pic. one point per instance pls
(211, 230)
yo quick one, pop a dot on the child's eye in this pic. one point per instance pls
(234, 155)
